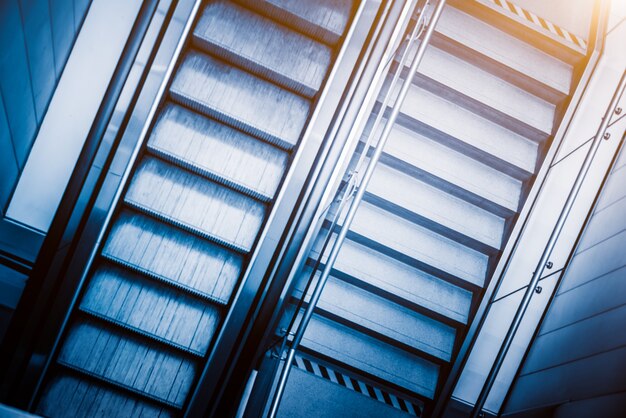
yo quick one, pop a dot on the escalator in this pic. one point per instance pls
(192, 210)
(461, 158)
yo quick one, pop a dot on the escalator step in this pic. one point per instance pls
(174, 255)
(222, 214)
(265, 48)
(240, 99)
(218, 152)
(152, 308)
(325, 20)
(70, 396)
(103, 352)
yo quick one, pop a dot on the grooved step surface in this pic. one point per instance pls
(323, 19)
(147, 305)
(373, 356)
(505, 48)
(174, 255)
(433, 205)
(128, 361)
(420, 244)
(264, 47)
(218, 151)
(70, 396)
(189, 199)
(380, 315)
(238, 98)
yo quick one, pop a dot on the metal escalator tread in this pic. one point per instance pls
(130, 362)
(218, 152)
(174, 255)
(261, 48)
(71, 396)
(218, 213)
(325, 20)
(240, 99)
(146, 305)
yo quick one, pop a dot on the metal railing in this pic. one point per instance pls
(355, 189)
(547, 252)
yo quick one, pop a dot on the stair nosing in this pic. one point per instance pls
(118, 385)
(194, 168)
(140, 333)
(183, 226)
(249, 64)
(388, 295)
(207, 110)
(188, 290)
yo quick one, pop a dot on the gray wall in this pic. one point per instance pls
(579, 356)
(36, 37)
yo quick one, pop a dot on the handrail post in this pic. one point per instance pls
(354, 205)
(547, 252)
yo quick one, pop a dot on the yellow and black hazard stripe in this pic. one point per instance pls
(510, 7)
(350, 382)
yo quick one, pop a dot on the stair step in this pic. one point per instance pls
(70, 396)
(418, 243)
(435, 209)
(238, 98)
(265, 48)
(152, 308)
(481, 92)
(129, 362)
(374, 357)
(325, 20)
(175, 255)
(452, 171)
(520, 27)
(469, 133)
(501, 47)
(395, 280)
(218, 152)
(226, 215)
(352, 306)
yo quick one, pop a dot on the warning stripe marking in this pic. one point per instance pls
(342, 379)
(510, 7)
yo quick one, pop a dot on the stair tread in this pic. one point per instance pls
(220, 152)
(453, 167)
(219, 90)
(420, 244)
(127, 361)
(186, 198)
(379, 271)
(505, 48)
(437, 206)
(265, 47)
(467, 130)
(176, 255)
(372, 356)
(150, 307)
(484, 87)
(323, 19)
(385, 317)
